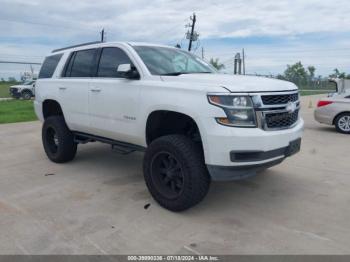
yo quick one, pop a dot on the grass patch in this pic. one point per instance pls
(13, 111)
(4, 89)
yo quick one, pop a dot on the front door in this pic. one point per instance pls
(113, 99)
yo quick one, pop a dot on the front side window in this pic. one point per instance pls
(81, 64)
(49, 66)
(111, 58)
(171, 61)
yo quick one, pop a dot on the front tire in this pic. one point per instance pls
(342, 123)
(58, 140)
(27, 95)
(175, 172)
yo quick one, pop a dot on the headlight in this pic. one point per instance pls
(239, 110)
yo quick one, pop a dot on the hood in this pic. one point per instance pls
(234, 83)
(21, 86)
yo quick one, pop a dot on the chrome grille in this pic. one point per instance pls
(279, 99)
(275, 110)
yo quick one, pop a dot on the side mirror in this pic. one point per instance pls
(123, 68)
(128, 71)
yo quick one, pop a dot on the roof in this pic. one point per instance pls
(106, 43)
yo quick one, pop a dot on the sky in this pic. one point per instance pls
(273, 33)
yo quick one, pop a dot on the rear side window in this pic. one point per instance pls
(81, 64)
(49, 66)
(111, 58)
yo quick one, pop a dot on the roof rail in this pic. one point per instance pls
(72, 46)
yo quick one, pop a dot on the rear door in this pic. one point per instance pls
(74, 88)
(113, 99)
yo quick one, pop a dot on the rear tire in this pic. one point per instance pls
(58, 140)
(342, 123)
(175, 172)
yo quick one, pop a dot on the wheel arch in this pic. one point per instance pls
(51, 107)
(165, 122)
(336, 116)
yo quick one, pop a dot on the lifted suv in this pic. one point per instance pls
(194, 124)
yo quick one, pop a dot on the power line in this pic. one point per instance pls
(47, 25)
(265, 51)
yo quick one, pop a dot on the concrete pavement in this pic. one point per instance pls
(95, 204)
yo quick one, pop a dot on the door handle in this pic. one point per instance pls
(95, 90)
(62, 88)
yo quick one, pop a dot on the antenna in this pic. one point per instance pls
(103, 33)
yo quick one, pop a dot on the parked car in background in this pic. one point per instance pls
(335, 110)
(342, 86)
(25, 90)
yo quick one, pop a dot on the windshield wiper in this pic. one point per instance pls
(173, 74)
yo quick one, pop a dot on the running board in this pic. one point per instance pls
(120, 147)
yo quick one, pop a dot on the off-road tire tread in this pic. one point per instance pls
(191, 155)
(67, 148)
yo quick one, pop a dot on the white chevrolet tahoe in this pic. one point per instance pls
(194, 124)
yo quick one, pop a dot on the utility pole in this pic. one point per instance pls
(102, 35)
(243, 60)
(191, 37)
(238, 64)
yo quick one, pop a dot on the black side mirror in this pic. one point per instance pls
(128, 71)
(132, 73)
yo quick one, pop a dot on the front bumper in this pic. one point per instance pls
(15, 93)
(267, 159)
(243, 151)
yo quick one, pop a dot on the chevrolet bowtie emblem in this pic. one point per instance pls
(291, 107)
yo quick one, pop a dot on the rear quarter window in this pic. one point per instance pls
(49, 66)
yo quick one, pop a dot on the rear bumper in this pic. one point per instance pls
(324, 115)
(265, 160)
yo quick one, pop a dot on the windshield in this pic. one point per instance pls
(171, 61)
(28, 83)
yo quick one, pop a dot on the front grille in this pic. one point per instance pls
(281, 120)
(279, 99)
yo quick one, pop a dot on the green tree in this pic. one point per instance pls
(311, 70)
(338, 74)
(296, 73)
(215, 63)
